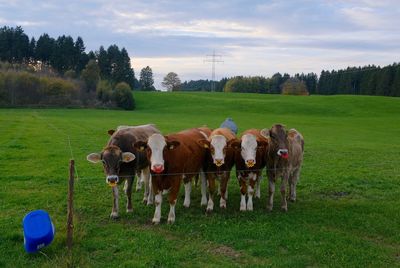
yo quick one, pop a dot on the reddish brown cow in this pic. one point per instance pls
(121, 161)
(249, 164)
(220, 160)
(172, 158)
(284, 158)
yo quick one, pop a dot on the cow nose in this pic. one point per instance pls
(283, 153)
(250, 163)
(112, 179)
(158, 168)
(219, 162)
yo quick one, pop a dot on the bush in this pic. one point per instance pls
(104, 91)
(294, 86)
(123, 96)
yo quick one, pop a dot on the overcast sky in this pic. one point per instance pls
(253, 37)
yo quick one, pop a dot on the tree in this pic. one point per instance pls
(123, 96)
(91, 75)
(146, 79)
(44, 48)
(294, 86)
(171, 82)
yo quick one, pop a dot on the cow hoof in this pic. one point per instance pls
(114, 215)
(223, 206)
(284, 208)
(242, 208)
(149, 203)
(269, 208)
(156, 221)
(186, 205)
(209, 211)
(203, 202)
(129, 210)
(292, 199)
(250, 208)
(171, 221)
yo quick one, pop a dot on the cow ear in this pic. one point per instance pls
(172, 144)
(128, 157)
(265, 133)
(204, 143)
(140, 145)
(235, 144)
(94, 157)
(110, 132)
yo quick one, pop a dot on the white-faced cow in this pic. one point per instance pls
(249, 164)
(121, 161)
(284, 158)
(220, 160)
(172, 158)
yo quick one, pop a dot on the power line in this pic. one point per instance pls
(213, 58)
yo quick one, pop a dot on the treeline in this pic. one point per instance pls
(256, 84)
(368, 80)
(64, 58)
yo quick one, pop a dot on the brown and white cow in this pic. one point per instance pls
(249, 164)
(121, 160)
(284, 158)
(172, 158)
(220, 160)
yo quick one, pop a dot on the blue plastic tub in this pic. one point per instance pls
(38, 230)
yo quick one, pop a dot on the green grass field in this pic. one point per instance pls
(347, 214)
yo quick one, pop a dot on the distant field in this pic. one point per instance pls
(347, 214)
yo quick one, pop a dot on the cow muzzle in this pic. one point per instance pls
(112, 180)
(157, 168)
(250, 163)
(219, 162)
(284, 153)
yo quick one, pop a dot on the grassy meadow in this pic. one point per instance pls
(347, 213)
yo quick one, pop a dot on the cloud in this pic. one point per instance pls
(255, 37)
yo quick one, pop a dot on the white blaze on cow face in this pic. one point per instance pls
(157, 143)
(218, 146)
(249, 149)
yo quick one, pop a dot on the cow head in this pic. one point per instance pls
(112, 157)
(218, 146)
(248, 149)
(278, 138)
(156, 146)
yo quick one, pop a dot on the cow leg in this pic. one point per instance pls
(145, 178)
(283, 192)
(271, 191)
(158, 202)
(203, 189)
(188, 189)
(224, 184)
(173, 195)
(139, 181)
(250, 191)
(258, 191)
(114, 211)
(150, 199)
(293, 183)
(211, 191)
(128, 191)
(243, 191)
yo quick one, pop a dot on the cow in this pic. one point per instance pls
(121, 161)
(249, 164)
(219, 162)
(173, 158)
(284, 159)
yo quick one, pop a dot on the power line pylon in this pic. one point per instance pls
(213, 58)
